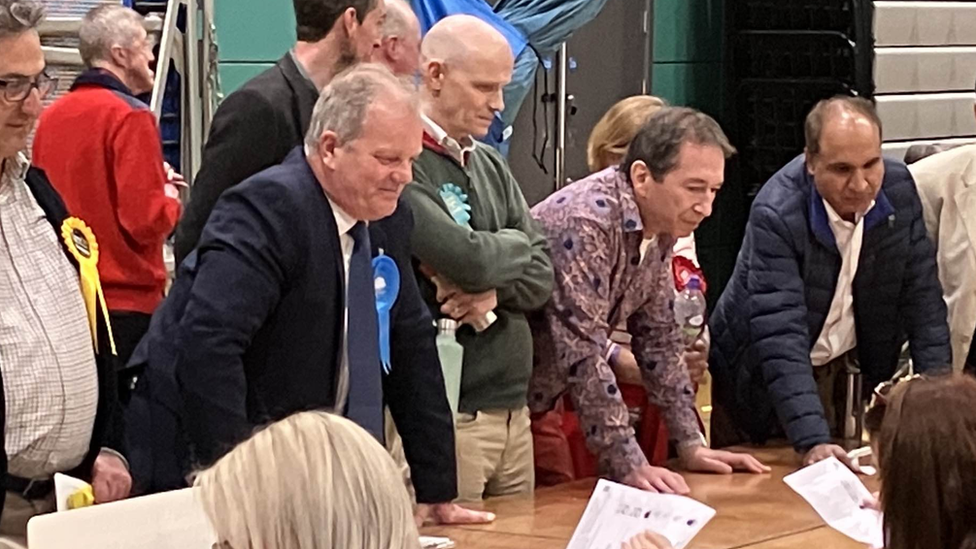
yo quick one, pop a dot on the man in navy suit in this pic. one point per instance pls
(274, 312)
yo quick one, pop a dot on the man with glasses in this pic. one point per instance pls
(101, 149)
(56, 362)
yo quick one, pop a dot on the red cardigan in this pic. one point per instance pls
(101, 149)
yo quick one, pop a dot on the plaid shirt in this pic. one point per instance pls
(603, 278)
(50, 380)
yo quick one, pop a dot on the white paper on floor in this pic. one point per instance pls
(836, 494)
(617, 513)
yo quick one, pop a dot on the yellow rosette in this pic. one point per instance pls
(81, 243)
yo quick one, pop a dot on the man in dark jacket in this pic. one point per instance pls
(275, 313)
(259, 124)
(835, 272)
(58, 405)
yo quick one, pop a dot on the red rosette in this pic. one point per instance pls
(683, 269)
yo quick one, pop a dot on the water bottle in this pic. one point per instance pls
(451, 354)
(689, 312)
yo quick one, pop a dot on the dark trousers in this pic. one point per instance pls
(127, 329)
(831, 379)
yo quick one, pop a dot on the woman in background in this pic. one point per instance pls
(927, 462)
(310, 481)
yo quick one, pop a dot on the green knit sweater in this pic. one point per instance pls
(503, 250)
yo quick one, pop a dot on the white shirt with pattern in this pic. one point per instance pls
(50, 379)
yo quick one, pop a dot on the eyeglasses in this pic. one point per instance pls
(17, 89)
(883, 390)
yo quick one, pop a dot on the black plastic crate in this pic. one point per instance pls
(770, 117)
(797, 55)
(844, 16)
(771, 113)
(757, 165)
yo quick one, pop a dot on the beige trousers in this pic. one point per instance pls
(394, 445)
(16, 512)
(494, 454)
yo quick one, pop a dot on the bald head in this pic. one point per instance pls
(466, 65)
(464, 38)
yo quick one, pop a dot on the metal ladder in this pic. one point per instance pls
(192, 51)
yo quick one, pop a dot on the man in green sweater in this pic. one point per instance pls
(484, 261)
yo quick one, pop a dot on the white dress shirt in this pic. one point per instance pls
(459, 151)
(838, 335)
(345, 223)
(50, 380)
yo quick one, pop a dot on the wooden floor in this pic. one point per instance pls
(753, 511)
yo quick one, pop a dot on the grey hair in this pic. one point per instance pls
(17, 16)
(105, 27)
(310, 481)
(343, 105)
(659, 140)
(396, 22)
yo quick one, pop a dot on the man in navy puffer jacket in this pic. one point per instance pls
(835, 272)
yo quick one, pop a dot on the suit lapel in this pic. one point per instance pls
(305, 93)
(334, 245)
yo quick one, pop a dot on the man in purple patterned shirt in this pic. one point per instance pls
(611, 236)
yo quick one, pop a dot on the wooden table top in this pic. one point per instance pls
(752, 510)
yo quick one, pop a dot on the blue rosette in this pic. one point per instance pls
(386, 283)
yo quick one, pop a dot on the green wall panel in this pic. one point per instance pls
(688, 30)
(254, 30)
(690, 84)
(233, 75)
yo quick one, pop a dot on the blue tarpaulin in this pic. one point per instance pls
(543, 24)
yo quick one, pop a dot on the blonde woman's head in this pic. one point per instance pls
(612, 135)
(310, 481)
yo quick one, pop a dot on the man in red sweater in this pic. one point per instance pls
(101, 148)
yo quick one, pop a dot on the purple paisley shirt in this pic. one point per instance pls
(595, 234)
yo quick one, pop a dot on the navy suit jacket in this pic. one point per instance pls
(252, 329)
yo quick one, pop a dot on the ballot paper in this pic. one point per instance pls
(617, 513)
(64, 487)
(836, 494)
(431, 542)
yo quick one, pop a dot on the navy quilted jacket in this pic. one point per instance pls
(774, 308)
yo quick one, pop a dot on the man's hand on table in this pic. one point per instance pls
(449, 513)
(821, 452)
(656, 479)
(706, 460)
(647, 540)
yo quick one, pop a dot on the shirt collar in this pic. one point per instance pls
(101, 78)
(628, 203)
(301, 69)
(15, 168)
(344, 221)
(459, 151)
(837, 221)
